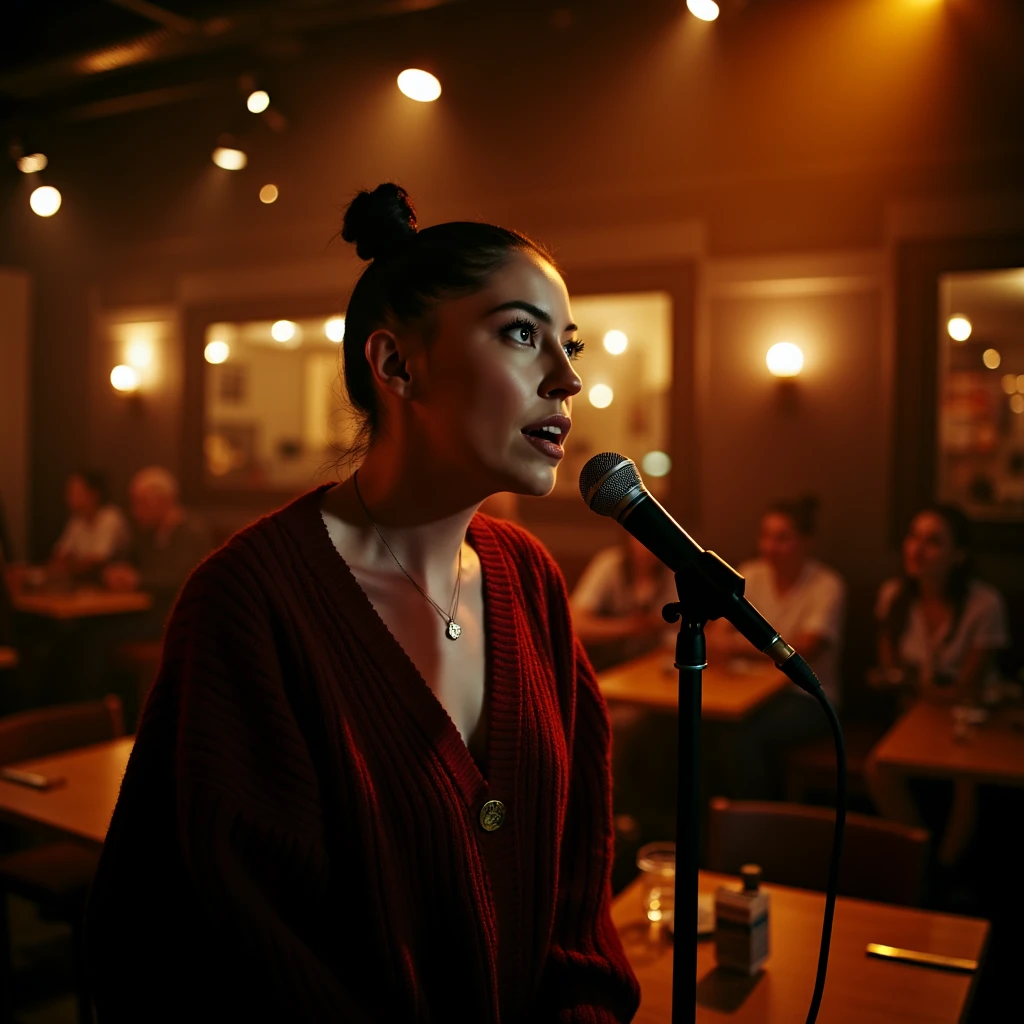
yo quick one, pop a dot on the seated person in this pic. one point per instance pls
(616, 605)
(804, 600)
(939, 630)
(96, 533)
(168, 543)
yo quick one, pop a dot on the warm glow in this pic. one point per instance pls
(124, 378)
(785, 359)
(282, 330)
(959, 328)
(1010, 383)
(419, 85)
(1017, 404)
(600, 396)
(991, 358)
(217, 352)
(140, 353)
(258, 101)
(1020, 383)
(615, 342)
(706, 10)
(230, 159)
(335, 328)
(268, 194)
(656, 464)
(32, 162)
(45, 201)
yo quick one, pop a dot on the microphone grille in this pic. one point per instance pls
(610, 489)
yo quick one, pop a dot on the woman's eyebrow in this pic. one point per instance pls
(528, 307)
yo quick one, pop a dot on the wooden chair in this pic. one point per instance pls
(882, 860)
(55, 876)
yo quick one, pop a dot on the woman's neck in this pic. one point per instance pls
(932, 590)
(787, 575)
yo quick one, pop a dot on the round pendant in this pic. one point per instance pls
(454, 630)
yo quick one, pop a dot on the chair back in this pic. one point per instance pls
(881, 861)
(39, 732)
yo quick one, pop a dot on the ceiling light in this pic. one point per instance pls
(124, 378)
(217, 352)
(706, 10)
(230, 158)
(785, 359)
(258, 101)
(282, 330)
(32, 162)
(615, 342)
(335, 328)
(421, 86)
(959, 328)
(268, 194)
(45, 201)
(600, 396)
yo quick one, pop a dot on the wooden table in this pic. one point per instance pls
(83, 602)
(859, 989)
(727, 695)
(921, 743)
(82, 807)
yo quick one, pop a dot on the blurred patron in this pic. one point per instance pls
(96, 533)
(616, 605)
(805, 601)
(167, 544)
(940, 628)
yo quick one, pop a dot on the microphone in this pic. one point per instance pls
(611, 486)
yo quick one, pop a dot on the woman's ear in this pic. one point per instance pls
(388, 362)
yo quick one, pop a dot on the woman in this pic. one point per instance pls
(371, 781)
(96, 533)
(804, 600)
(939, 630)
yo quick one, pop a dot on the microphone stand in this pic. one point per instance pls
(691, 661)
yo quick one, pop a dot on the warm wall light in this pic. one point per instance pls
(785, 359)
(615, 342)
(991, 358)
(959, 328)
(268, 194)
(217, 352)
(335, 328)
(418, 85)
(230, 158)
(258, 101)
(140, 353)
(1017, 404)
(124, 379)
(600, 396)
(1010, 383)
(31, 163)
(706, 10)
(45, 201)
(656, 464)
(282, 330)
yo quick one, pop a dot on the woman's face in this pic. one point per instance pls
(80, 498)
(497, 368)
(929, 552)
(780, 543)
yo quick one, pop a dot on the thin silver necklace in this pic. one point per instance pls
(452, 629)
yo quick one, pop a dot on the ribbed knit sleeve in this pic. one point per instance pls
(206, 902)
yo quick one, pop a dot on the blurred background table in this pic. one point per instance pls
(82, 806)
(859, 988)
(82, 602)
(727, 695)
(922, 743)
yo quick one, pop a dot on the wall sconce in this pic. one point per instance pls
(125, 379)
(785, 359)
(137, 345)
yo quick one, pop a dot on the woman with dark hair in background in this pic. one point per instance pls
(371, 780)
(96, 533)
(805, 600)
(939, 630)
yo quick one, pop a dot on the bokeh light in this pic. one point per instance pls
(335, 328)
(600, 396)
(615, 342)
(785, 359)
(991, 358)
(959, 328)
(229, 158)
(258, 101)
(656, 464)
(124, 378)
(282, 330)
(418, 85)
(217, 352)
(31, 163)
(45, 201)
(706, 10)
(269, 194)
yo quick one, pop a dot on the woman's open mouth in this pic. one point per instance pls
(548, 436)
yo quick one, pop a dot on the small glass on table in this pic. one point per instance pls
(657, 863)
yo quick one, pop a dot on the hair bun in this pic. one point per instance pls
(380, 222)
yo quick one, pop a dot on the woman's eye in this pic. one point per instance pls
(521, 331)
(574, 349)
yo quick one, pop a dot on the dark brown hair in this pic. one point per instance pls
(801, 512)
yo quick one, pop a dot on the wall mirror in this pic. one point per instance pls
(980, 435)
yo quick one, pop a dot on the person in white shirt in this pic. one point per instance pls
(939, 630)
(95, 534)
(805, 601)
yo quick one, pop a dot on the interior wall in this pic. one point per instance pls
(15, 394)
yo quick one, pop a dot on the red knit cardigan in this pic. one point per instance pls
(297, 836)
